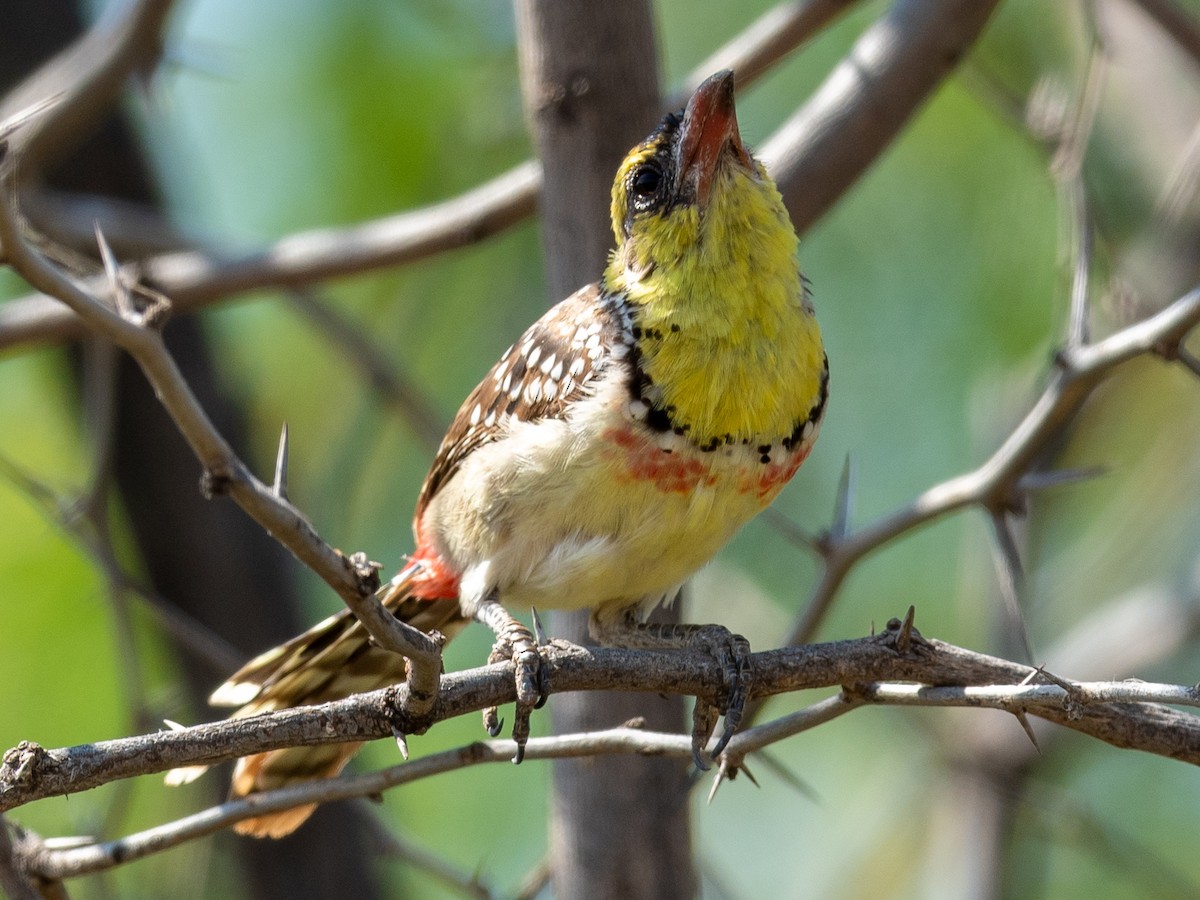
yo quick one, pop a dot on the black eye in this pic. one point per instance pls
(646, 181)
(646, 186)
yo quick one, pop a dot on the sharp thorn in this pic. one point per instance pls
(745, 771)
(539, 633)
(790, 778)
(1036, 481)
(1029, 733)
(904, 636)
(1011, 577)
(112, 272)
(1067, 686)
(281, 464)
(845, 502)
(789, 529)
(401, 742)
(717, 780)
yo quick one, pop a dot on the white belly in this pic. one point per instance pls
(592, 511)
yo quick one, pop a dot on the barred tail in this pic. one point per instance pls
(330, 661)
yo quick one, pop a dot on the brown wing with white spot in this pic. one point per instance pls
(538, 377)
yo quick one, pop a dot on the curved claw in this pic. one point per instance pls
(528, 674)
(704, 719)
(723, 741)
(515, 643)
(492, 723)
(732, 652)
(543, 686)
(520, 731)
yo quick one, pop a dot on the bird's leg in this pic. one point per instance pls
(514, 642)
(731, 651)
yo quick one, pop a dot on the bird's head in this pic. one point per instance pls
(691, 198)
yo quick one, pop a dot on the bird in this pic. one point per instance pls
(609, 454)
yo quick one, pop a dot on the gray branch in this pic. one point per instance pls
(1125, 714)
(897, 667)
(828, 144)
(868, 99)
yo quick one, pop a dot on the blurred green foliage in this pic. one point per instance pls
(941, 285)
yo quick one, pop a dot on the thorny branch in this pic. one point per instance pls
(993, 485)
(134, 327)
(868, 98)
(1125, 714)
(86, 79)
(195, 278)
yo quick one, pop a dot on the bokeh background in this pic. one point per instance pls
(941, 282)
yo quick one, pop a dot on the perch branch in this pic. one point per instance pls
(1125, 713)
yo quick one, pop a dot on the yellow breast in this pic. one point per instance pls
(726, 334)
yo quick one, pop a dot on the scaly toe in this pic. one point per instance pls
(527, 664)
(732, 652)
(515, 643)
(520, 731)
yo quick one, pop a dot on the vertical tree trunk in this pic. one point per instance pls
(589, 73)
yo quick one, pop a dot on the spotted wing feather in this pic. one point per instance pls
(551, 366)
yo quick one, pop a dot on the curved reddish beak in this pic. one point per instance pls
(709, 130)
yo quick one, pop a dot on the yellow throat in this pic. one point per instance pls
(706, 260)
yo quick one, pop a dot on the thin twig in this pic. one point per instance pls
(17, 882)
(196, 278)
(1079, 371)
(1083, 241)
(535, 881)
(1177, 22)
(224, 472)
(868, 99)
(813, 169)
(397, 390)
(764, 42)
(85, 80)
(1076, 135)
(1067, 169)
